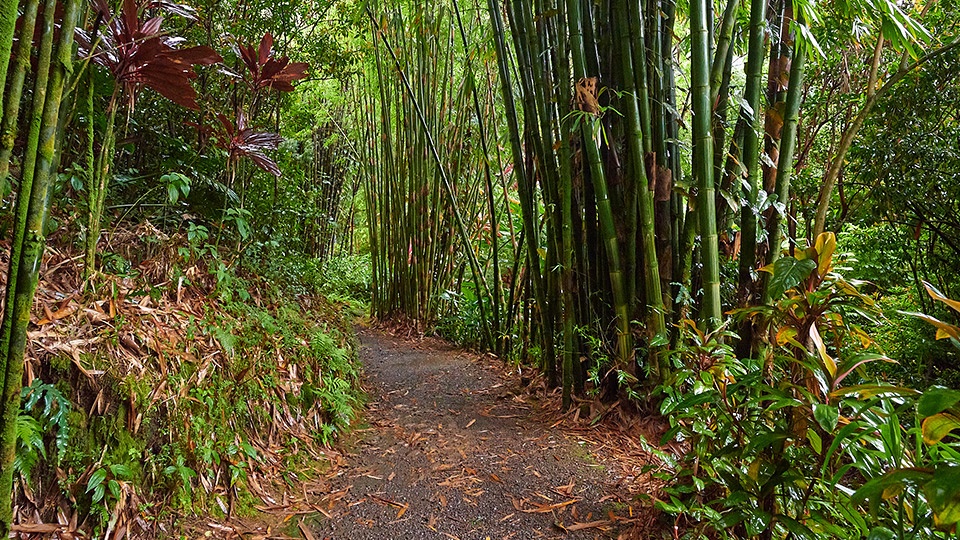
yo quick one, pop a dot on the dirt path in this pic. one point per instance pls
(452, 452)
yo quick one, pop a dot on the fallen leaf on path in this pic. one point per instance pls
(307, 534)
(588, 525)
(542, 509)
(388, 502)
(322, 511)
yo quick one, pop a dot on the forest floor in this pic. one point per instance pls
(455, 447)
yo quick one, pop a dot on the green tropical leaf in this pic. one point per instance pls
(943, 495)
(881, 533)
(788, 272)
(121, 471)
(867, 391)
(873, 491)
(827, 416)
(96, 479)
(798, 529)
(937, 399)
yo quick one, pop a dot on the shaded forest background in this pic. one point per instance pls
(739, 217)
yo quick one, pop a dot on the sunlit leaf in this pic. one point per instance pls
(828, 362)
(938, 426)
(939, 296)
(867, 391)
(944, 330)
(826, 245)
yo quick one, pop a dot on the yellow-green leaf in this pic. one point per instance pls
(937, 427)
(943, 495)
(828, 361)
(944, 330)
(826, 245)
(937, 295)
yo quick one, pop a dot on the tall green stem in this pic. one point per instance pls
(590, 131)
(11, 110)
(28, 254)
(788, 145)
(749, 214)
(651, 273)
(710, 313)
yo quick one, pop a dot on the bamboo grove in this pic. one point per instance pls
(633, 171)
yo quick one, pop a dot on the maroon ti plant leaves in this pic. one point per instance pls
(137, 53)
(268, 71)
(241, 140)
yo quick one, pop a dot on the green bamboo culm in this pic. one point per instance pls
(497, 293)
(96, 197)
(27, 254)
(8, 25)
(590, 131)
(634, 139)
(710, 312)
(11, 110)
(530, 234)
(572, 376)
(45, 51)
(788, 145)
(750, 112)
(422, 183)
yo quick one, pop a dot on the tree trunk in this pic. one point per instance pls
(27, 254)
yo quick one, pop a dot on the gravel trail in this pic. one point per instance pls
(455, 450)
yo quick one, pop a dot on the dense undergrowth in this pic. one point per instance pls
(836, 424)
(180, 387)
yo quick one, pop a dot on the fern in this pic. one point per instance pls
(45, 410)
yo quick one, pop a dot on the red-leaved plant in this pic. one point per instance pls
(241, 140)
(131, 46)
(137, 53)
(269, 71)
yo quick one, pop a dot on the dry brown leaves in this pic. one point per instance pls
(143, 329)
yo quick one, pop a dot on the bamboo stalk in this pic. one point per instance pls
(590, 131)
(654, 317)
(11, 111)
(788, 146)
(749, 214)
(710, 313)
(28, 253)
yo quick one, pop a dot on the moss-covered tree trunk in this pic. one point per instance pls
(27, 253)
(11, 110)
